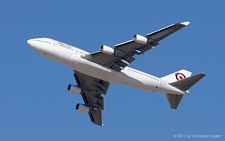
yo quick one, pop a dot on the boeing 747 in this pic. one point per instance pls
(94, 72)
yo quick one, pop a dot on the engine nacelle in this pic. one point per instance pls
(140, 39)
(82, 108)
(74, 89)
(107, 50)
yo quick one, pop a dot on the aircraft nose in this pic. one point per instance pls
(30, 42)
(36, 45)
(33, 44)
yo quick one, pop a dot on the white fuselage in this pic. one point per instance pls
(80, 60)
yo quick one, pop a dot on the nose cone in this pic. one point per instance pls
(40, 45)
(34, 44)
(30, 43)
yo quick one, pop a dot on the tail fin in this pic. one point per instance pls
(178, 75)
(184, 85)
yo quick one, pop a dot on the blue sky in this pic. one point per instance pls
(34, 101)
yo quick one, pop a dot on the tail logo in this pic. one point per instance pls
(180, 76)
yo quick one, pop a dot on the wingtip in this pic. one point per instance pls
(185, 23)
(203, 74)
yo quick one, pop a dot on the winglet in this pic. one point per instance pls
(185, 23)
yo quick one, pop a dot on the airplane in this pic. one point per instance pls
(94, 72)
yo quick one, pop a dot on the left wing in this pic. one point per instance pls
(92, 88)
(124, 52)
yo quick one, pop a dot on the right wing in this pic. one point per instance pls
(125, 51)
(92, 88)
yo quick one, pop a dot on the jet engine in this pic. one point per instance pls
(74, 89)
(107, 50)
(82, 108)
(140, 39)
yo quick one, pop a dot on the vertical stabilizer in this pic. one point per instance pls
(178, 75)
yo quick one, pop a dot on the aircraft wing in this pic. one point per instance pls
(124, 52)
(92, 90)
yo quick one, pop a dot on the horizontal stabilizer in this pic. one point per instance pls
(174, 100)
(187, 83)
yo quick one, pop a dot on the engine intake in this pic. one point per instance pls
(140, 39)
(107, 50)
(74, 89)
(82, 108)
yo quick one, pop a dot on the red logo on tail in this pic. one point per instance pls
(180, 76)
